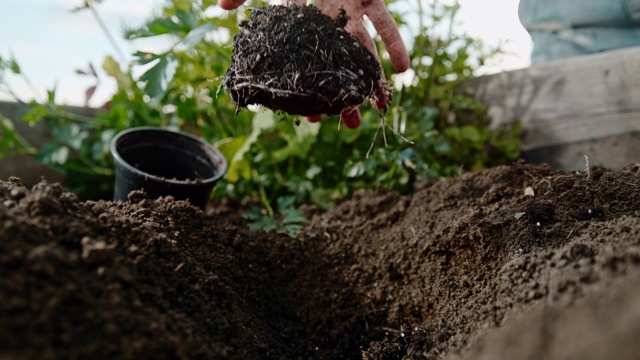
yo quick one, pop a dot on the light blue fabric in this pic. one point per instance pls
(633, 9)
(565, 28)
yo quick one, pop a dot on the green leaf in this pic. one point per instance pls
(70, 134)
(161, 26)
(235, 149)
(11, 142)
(52, 153)
(111, 66)
(291, 230)
(51, 95)
(239, 170)
(36, 113)
(293, 216)
(442, 146)
(196, 35)
(143, 57)
(313, 171)
(10, 65)
(159, 76)
(266, 223)
(285, 202)
(324, 198)
(263, 120)
(356, 170)
(470, 133)
(85, 5)
(426, 116)
(100, 149)
(14, 67)
(253, 213)
(187, 18)
(299, 140)
(229, 147)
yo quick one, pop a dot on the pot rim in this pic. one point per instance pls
(219, 161)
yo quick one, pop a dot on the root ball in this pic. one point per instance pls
(298, 60)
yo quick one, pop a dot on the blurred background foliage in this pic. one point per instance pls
(431, 130)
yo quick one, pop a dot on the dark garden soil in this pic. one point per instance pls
(467, 268)
(300, 61)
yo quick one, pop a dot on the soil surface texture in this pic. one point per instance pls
(517, 262)
(300, 61)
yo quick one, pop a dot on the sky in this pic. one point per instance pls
(50, 42)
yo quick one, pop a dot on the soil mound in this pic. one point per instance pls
(298, 60)
(473, 267)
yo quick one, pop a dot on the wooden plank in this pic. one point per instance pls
(565, 101)
(614, 152)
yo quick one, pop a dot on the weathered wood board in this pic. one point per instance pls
(572, 100)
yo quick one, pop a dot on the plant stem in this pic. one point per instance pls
(93, 167)
(106, 31)
(80, 118)
(90, 171)
(24, 146)
(53, 112)
(265, 201)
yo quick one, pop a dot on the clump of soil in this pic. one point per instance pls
(446, 272)
(300, 61)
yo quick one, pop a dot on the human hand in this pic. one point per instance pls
(384, 24)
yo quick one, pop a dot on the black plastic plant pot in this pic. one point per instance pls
(163, 162)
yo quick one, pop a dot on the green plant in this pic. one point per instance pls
(288, 220)
(175, 91)
(444, 133)
(430, 130)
